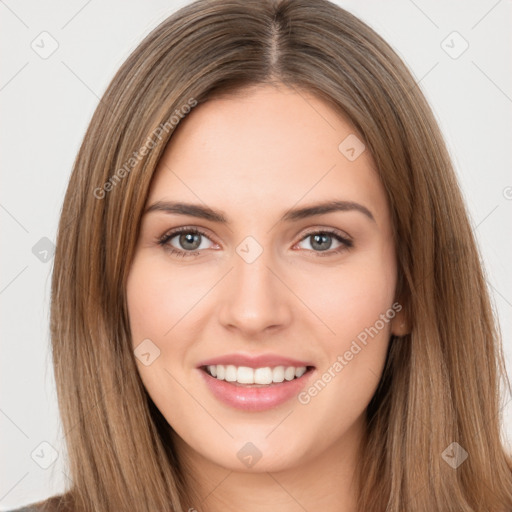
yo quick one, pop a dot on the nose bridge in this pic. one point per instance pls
(255, 298)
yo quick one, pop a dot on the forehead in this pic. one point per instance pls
(267, 147)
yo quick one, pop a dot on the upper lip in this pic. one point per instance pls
(254, 361)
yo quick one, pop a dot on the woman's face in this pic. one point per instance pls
(273, 285)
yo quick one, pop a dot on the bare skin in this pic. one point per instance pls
(254, 157)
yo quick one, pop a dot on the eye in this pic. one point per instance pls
(187, 237)
(190, 240)
(321, 242)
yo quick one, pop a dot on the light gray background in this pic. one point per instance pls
(46, 105)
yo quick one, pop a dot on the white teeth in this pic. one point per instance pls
(278, 374)
(263, 375)
(221, 371)
(299, 372)
(289, 373)
(230, 373)
(246, 375)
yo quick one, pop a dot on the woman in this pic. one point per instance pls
(259, 369)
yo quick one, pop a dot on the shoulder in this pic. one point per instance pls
(24, 509)
(59, 503)
(27, 508)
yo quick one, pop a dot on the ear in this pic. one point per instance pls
(400, 324)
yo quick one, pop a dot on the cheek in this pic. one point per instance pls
(359, 310)
(158, 299)
(145, 304)
(353, 298)
(155, 306)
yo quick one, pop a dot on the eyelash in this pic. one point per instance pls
(163, 241)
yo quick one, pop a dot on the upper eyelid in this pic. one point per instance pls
(171, 233)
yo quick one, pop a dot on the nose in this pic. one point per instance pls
(255, 297)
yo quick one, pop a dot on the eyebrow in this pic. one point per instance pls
(204, 212)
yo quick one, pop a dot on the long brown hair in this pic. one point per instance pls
(441, 383)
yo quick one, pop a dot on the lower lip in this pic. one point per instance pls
(255, 398)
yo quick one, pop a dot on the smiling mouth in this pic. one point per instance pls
(245, 376)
